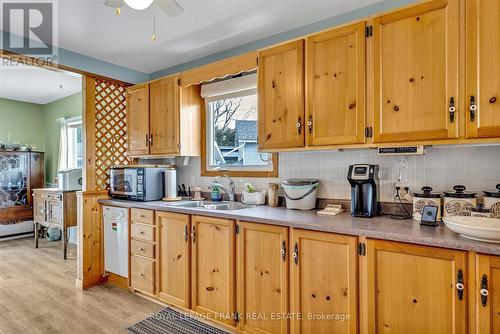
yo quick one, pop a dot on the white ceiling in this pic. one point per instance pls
(36, 85)
(205, 27)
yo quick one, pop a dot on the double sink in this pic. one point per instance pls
(212, 206)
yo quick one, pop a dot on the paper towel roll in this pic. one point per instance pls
(171, 183)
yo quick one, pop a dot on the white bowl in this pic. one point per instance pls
(475, 228)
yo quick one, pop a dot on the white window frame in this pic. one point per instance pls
(210, 135)
(72, 123)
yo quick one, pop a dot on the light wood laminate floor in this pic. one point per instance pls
(38, 294)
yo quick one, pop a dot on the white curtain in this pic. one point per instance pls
(62, 162)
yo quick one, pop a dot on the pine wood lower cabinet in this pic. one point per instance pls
(487, 294)
(143, 242)
(280, 280)
(324, 282)
(213, 268)
(262, 278)
(174, 264)
(413, 289)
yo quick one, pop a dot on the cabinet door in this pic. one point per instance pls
(164, 116)
(262, 278)
(483, 82)
(324, 282)
(174, 258)
(213, 268)
(138, 120)
(415, 73)
(281, 96)
(39, 208)
(336, 85)
(142, 272)
(413, 289)
(488, 304)
(56, 212)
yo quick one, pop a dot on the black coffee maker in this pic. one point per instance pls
(364, 190)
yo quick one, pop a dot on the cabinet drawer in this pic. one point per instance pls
(51, 197)
(142, 274)
(143, 232)
(142, 216)
(142, 248)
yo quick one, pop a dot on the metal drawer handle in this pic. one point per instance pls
(295, 253)
(460, 284)
(283, 250)
(141, 275)
(472, 108)
(452, 109)
(484, 290)
(142, 249)
(141, 232)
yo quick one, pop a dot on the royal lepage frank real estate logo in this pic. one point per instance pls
(29, 28)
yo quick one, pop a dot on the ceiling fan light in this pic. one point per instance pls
(139, 4)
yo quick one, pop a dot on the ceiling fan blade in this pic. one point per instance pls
(114, 3)
(171, 7)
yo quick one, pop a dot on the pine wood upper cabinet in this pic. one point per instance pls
(213, 268)
(415, 73)
(164, 119)
(174, 263)
(138, 119)
(281, 96)
(324, 281)
(487, 294)
(414, 289)
(483, 82)
(336, 85)
(262, 277)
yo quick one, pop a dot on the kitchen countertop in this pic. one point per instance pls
(382, 227)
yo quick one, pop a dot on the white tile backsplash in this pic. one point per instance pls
(476, 167)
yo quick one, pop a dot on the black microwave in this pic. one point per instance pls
(137, 183)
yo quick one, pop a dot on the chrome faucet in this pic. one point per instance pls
(229, 191)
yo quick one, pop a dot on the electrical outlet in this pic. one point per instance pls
(403, 190)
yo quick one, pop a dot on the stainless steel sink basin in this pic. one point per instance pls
(213, 206)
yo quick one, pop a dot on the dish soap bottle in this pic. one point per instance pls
(216, 194)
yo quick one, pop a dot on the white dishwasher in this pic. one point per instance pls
(116, 240)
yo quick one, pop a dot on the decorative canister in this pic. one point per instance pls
(459, 202)
(480, 211)
(492, 201)
(272, 192)
(423, 198)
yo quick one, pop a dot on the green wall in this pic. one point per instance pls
(36, 125)
(22, 123)
(70, 106)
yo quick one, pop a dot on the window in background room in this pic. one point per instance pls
(75, 144)
(231, 123)
(71, 143)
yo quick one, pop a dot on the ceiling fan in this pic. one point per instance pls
(170, 7)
